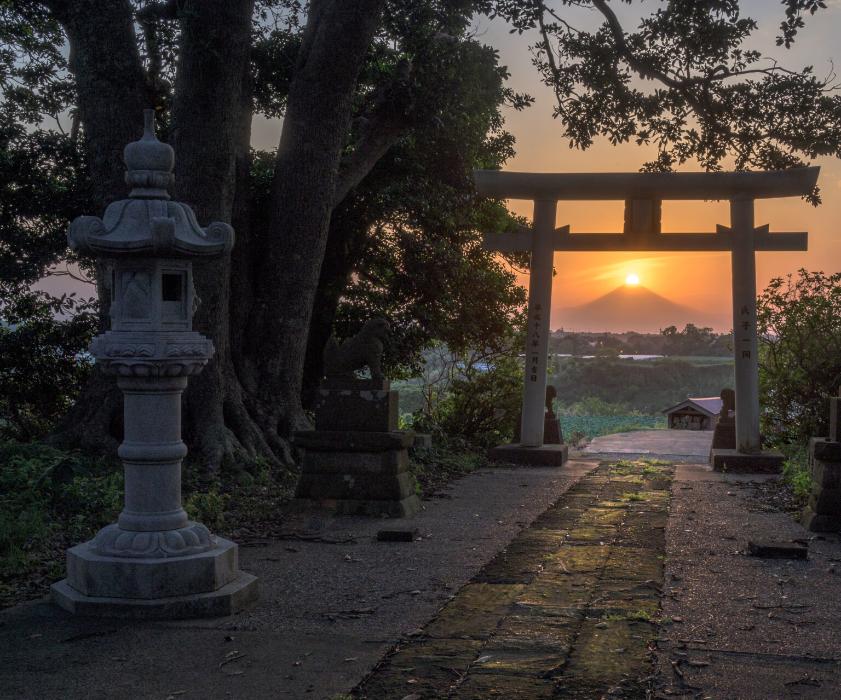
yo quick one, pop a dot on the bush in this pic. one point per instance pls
(49, 498)
(796, 471)
(481, 408)
(799, 322)
(42, 365)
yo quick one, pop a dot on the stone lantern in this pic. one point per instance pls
(154, 561)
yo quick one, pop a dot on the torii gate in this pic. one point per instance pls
(642, 193)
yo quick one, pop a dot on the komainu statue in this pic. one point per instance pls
(365, 349)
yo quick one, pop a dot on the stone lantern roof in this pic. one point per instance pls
(149, 223)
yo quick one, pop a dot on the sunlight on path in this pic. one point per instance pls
(660, 443)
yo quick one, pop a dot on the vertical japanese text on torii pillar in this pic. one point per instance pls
(534, 332)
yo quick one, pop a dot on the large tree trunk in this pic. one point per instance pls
(346, 239)
(105, 63)
(315, 129)
(211, 130)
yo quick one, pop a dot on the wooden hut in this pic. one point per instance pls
(694, 414)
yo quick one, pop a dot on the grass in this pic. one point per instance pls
(594, 426)
(635, 616)
(796, 471)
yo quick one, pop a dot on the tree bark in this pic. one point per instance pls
(346, 239)
(315, 129)
(211, 130)
(105, 64)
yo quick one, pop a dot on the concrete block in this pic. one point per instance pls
(765, 462)
(390, 463)
(403, 508)
(817, 522)
(356, 409)
(376, 487)
(824, 449)
(353, 440)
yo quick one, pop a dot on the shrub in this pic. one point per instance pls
(799, 321)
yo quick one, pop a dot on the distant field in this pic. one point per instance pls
(593, 426)
(701, 360)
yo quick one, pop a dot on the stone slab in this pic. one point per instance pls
(825, 449)
(377, 487)
(94, 575)
(391, 462)
(234, 597)
(353, 441)
(356, 409)
(543, 456)
(765, 462)
(770, 549)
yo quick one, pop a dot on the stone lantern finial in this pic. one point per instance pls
(149, 163)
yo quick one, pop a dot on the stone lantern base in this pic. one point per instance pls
(153, 584)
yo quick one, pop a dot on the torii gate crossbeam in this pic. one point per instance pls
(642, 193)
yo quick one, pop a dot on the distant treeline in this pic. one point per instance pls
(691, 341)
(621, 386)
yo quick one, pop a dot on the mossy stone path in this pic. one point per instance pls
(568, 610)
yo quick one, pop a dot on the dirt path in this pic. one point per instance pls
(568, 609)
(745, 627)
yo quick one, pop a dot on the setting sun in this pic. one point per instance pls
(632, 280)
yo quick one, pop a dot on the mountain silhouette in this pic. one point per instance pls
(629, 308)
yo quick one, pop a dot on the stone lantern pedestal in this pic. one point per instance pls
(153, 562)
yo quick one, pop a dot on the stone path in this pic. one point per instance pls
(674, 445)
(566, 610)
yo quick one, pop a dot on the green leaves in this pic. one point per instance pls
(799, 323)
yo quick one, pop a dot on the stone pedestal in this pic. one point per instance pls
(552, 453)
(823, 512)
(356, 462)
(154, 562)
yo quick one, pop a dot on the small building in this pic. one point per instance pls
(694, 414)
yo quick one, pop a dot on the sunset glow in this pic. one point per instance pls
(632, 280)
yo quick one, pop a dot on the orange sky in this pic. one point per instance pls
(699, 280)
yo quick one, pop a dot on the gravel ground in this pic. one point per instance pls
(333, 601)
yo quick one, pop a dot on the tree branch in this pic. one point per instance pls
(390, 118)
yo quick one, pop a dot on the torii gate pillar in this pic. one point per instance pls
(537, 339)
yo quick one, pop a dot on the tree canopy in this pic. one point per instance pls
(367, 204)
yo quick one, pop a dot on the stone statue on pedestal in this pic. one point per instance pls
(356, 460)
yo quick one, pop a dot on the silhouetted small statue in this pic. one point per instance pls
(551, 394)
(724, 435)
(365, 349)
(552, 434)
(728, 406)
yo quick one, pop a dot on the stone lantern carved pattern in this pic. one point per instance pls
(153, 559)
